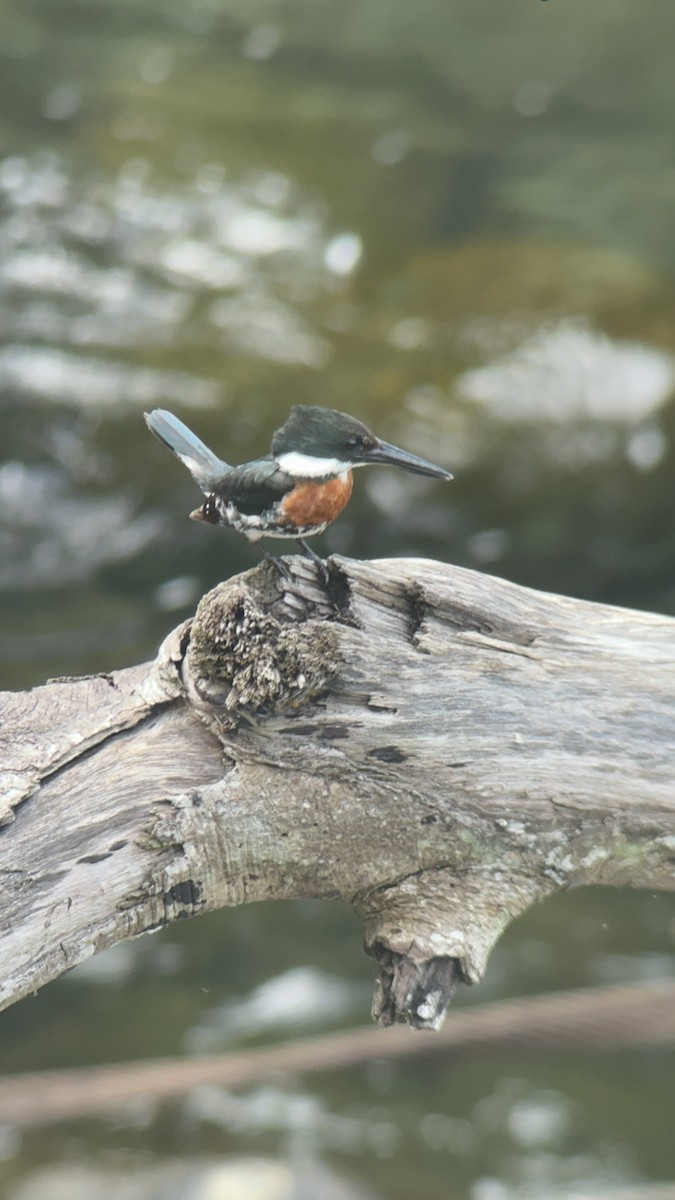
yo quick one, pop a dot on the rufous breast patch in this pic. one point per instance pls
(316, 502)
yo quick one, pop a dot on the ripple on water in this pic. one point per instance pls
(50, 535)
(125, 265)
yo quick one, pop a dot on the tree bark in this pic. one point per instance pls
(437, 748)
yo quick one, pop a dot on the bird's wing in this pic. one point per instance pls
(254, 488)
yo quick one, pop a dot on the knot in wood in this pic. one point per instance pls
(241, 657)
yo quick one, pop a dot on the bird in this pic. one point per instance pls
(295, 490)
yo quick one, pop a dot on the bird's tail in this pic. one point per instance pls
(204, 466)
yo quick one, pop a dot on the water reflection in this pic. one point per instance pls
(124, 263)
(299, 999)
(571, 373)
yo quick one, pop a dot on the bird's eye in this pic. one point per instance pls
(352, 443)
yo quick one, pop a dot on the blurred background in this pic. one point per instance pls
(455, 220)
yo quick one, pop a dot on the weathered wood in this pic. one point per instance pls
(436, 747)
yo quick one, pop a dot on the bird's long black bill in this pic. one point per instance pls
(384, 453)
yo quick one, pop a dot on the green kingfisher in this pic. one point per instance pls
(295, 490)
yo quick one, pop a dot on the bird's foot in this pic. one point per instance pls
(279, 564)
(283, 568)
(318, 562)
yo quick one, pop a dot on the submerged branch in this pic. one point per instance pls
(638, 1014)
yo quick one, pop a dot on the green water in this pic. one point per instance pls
(456, 221)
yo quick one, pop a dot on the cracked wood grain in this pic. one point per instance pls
(435, 747)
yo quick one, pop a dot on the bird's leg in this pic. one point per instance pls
(285, 573)
(282, 567)
(315, 559)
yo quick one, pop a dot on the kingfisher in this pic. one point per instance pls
(295, 490)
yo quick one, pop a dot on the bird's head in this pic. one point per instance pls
(315, 443)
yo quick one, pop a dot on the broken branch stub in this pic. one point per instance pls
(437, 748)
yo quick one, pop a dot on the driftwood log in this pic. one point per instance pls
(437, 748)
